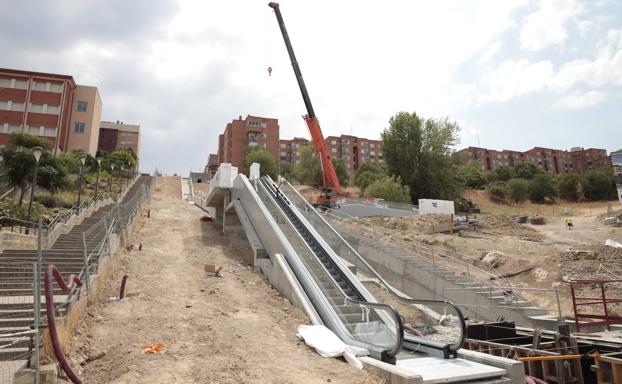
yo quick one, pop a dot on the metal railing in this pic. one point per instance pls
(441, 258)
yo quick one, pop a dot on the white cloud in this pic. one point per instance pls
(546, 27)
(489, 52)
(581, 100)
(515, 78)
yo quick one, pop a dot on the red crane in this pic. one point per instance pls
(330, 183)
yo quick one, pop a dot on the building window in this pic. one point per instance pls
(257, 124)
(333, 142)
(82, 106)
(333, 150)
(283, 145)
(17, 107)
(79, 127)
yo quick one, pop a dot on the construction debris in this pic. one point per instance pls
(154, 348)
(213, 270)
(510, 274)
(537, 220)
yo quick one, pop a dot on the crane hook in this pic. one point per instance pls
(269, 71)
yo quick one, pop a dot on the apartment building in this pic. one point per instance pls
(242, 134)
(84, 122)
(51, 106)
(549, 160)
(119, 135)
(354, 150)
(289, 150)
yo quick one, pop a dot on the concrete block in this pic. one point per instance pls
(390, 373)
(515, 370)
(47, 375)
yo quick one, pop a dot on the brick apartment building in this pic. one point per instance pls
(51, 106)
(119, 135)
(242, 134)
(289, 150)
(550, 160)
(354, 150)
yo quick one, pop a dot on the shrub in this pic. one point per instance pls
(472, 175)
(542, 188)
(389, 189)
(498, 190)
(569, 186)
(599, 185)
(518, 190)
(52, 201)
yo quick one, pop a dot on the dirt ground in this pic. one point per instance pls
(230, 329)
(555, 253)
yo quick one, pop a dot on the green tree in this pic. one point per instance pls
(498, 190)
(389, 189)
(472, 175)
(569, 186)
(526, 171)
(542, 187)
(267, 162)
(69, 162)
(308, 171)
(123, 157)
(518, 190)
(342, 172)
(599, 185)
(18, 165)
(287, 171)
(368, 173)
(418, 150)
(504, 173)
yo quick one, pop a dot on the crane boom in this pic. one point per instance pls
(329, 176)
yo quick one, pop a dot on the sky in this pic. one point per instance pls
(513, 74)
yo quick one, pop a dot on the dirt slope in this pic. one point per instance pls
(234, 329)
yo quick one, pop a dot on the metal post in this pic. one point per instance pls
(97, 181)
(32, 193)
(85, 254)
(80, 188)
(559, 307)
(107, 237)
(602, 290)
(37, 270)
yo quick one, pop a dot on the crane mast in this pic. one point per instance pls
(329, 176)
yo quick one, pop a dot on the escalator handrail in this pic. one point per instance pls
(390, 289)
(387, 307)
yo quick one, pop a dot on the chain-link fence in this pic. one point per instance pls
(18, 311)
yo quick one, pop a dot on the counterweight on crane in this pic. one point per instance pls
(330, 182)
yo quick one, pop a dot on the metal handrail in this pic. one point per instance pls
(390, 289)
(511, 290)
(394, 313)
(416, 246)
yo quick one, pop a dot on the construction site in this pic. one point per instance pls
(243, 277)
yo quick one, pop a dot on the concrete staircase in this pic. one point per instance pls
(419, 277)
(16, 282)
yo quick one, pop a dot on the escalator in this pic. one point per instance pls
(345, 305)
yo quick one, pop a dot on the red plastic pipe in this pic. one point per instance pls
(122, 291)
(74, 280)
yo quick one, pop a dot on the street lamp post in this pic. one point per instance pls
(99, 163)
(110, 178)
(129, 174)
(118, 179)
(36, 152)
(83, 161)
